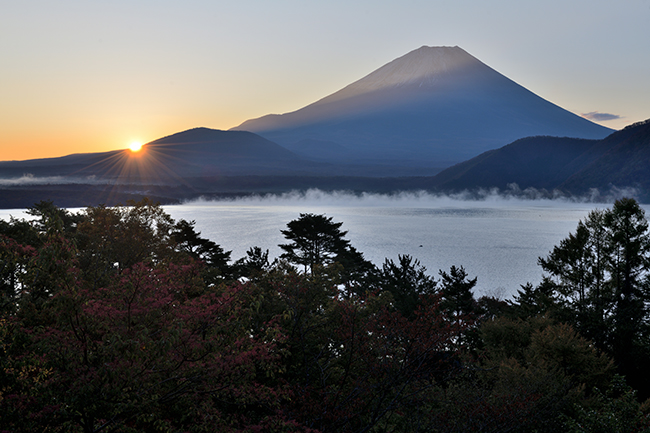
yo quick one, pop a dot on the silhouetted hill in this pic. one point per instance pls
(433, 106)
(201, 152)
(61, 166)
(541, 162)
(189, 164)
(621, 160)
(189, 156)
(193, 153)
(204, 146)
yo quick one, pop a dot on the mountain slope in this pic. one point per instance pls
(620, 160)
(209, 151)
(197, 152)
(540, 162)
(434, 105)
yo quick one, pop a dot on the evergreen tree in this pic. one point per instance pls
(318, 241)
(600, 276)
(189, 241)
(577, 274)
(50, 218)
(456, 289)
(407, 280)
(531, 301)
(254, 265)
(629, 268)
(315, 240)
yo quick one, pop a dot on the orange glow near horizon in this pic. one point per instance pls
(21, 142)
(37, 145)
(135, 147)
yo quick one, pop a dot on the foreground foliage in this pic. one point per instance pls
(122, 319)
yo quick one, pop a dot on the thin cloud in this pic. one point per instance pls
(492, 197)
(600, 117)
(30, 179)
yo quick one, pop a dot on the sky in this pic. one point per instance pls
(80, 76)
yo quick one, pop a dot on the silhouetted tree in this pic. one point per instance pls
(255, 264)
(600, 276)
(188, 240)
(531, 301)
(318, 241)
(314, 240)
(50, 217)
(456, 290)
(407, 280)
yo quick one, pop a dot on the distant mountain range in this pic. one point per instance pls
(188, 156)
(196, 152)
(576, 166)
(433, 107)
(399, 128)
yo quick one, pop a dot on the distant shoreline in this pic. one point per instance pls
(83, 195)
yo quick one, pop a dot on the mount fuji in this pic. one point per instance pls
(432, 107)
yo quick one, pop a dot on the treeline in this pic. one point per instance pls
(120, 319)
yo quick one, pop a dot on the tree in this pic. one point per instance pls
(112, 239)
(600, 277)
(188, 241)
(407, 281)
(531, 301)
(456, 290)
(629, 266)
(21, 231)
(577, 274)
(14, 259)
(20, 239)
(616, 410)
(151, 351)
(357, 363)
(254, 265)
(132, 346)
(315, 240)
(50, 217)
(358, 275)
(532, 374)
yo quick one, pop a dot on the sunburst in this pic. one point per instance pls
(130, 169)
(135, 147)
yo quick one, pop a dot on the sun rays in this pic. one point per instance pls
(136, 169)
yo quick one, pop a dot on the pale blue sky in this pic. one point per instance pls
(86, 76)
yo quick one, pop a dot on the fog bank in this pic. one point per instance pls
(423, 199)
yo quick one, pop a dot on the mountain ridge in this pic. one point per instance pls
(192, 153)
(571, 166)
(575, 166)
(433, 105)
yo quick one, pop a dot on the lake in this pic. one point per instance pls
(495, 239)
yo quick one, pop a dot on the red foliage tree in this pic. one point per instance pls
(152, 351)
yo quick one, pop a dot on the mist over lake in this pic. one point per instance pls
(497, 239)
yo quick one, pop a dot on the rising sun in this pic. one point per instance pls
(135, 146)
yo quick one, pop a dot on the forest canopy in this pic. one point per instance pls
(122, 319)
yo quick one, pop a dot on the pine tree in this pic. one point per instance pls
(600, 275)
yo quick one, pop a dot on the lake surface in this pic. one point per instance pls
(497, 240)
